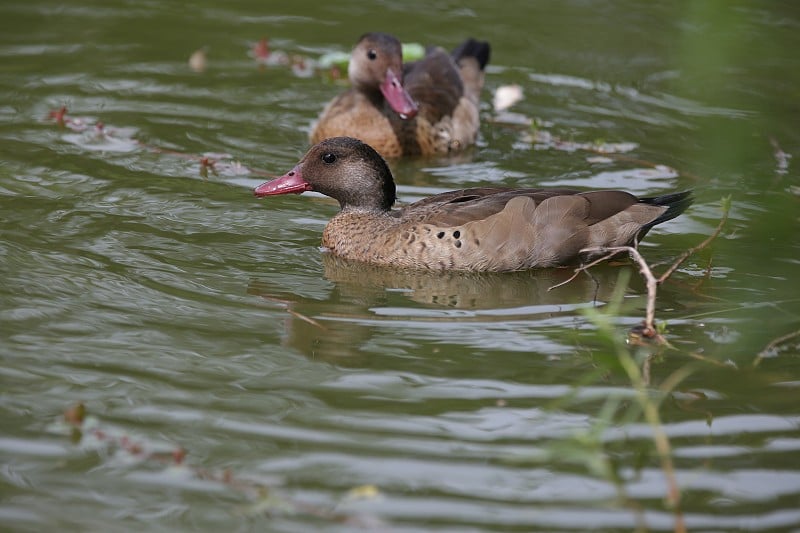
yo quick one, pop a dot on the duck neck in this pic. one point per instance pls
(378, 196)
(376, 98)
(373, 207)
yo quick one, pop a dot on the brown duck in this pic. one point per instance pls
(482, 229)
(426, 107)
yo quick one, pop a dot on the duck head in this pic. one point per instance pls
(343, 168)
(377, 63)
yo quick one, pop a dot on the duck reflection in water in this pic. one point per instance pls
(369, 305)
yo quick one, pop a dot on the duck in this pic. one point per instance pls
(426, 107)
(484, 229)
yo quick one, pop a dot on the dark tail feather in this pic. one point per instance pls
(480, 50)
(676, 203)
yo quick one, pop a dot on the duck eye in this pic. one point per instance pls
(372, 55)
(329, 158)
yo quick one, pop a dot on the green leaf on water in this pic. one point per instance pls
(413, 51)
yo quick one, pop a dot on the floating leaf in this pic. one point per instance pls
(506, 96)
(76, 414)
(363, 492)
(269, 502)
(334, 59)
(413, 51)
(198, 60)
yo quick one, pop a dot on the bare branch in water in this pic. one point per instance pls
(648, 329)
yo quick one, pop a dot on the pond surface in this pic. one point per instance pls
(233, 376)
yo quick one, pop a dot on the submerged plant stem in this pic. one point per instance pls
(660, 438)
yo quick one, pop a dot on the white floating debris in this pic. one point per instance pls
(599, 159)
(198, 60)
(506, 95)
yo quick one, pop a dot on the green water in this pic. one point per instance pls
(187, 315)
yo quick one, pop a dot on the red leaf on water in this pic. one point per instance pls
(135, 449)
(178, 454)
(75, 414)
(261, 50)
(58, 115)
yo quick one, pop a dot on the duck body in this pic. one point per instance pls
(479, 229)
(426, 107)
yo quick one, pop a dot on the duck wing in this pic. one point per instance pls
(514, 229)
(472, 205)
(434, 83)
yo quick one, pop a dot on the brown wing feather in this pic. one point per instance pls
(435, 84)
(468, 205)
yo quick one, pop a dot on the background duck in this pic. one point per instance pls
(425, 107)
(481, 229)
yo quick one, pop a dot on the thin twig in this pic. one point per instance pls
(583, 268)
(644, 269)
(709, 360)
(706, 275)
(726, 207)
(306, 319)
(772, 345)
